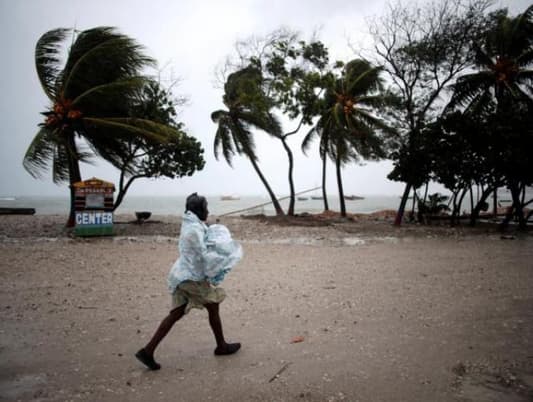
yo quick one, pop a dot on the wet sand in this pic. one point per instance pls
(386, 314)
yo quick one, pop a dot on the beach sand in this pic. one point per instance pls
(385, 314)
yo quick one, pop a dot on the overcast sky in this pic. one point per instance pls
(190, 38)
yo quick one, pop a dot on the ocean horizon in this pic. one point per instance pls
(244, 205)
(174, 205)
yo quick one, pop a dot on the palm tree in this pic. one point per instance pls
(504, 80)
(247, 108)
(348, 128)
(91, 91)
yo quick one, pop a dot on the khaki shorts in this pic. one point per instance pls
(196, 295)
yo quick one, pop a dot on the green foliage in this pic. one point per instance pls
(91, 93)
(504, 60)
(347, 127)
(92, 90)
(142, 157)
(423, 48)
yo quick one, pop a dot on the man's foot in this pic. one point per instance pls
(147, 360)
(227, 349)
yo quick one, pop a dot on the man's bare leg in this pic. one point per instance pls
(223, 348)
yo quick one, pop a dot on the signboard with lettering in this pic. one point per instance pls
(94, 207)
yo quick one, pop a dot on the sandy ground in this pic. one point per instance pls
(411, 314)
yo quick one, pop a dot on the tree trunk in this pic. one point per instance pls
(471, 199)
(324, 193)
(74, 177)
(495, 203)
(457, 207)
(339, 183)
(519, 212)
(292, 201)
(477, 209)
(275, 202)
(401, 208)
(123, 190)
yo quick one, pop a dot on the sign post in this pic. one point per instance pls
(94, 207)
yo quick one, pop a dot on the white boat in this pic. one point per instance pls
(229, 198)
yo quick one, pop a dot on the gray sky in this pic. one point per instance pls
(190, 38)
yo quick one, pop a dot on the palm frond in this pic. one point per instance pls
(364, 82)
(47, 59)
(60, 171)
(40, 152)
(217, 115)
(103, 99)
(263, 121)
(526, 58)
(375, 122)
(100, 56)
(469, 86)
(127, 127)
(242, 138)
(309, 138)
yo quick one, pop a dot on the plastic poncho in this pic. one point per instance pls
(223, 253)
(206, 253)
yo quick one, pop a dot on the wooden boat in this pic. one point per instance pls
(17, 211)
(142, 215)
(353, 197)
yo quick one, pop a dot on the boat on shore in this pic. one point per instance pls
(17, 211)
(229, 197)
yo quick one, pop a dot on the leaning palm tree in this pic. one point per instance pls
(91, 91)
(247, 108)
(349, 130)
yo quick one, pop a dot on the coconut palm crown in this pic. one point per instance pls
(504, 62)
(91, 89)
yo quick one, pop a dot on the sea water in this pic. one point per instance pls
(174, 205)
(244, 205)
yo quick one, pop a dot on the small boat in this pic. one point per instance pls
(317, 197)
(302, 198)
(142, 215)
(229, 198)
(17, 211)
(353, 197)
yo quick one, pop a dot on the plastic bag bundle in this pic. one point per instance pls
(223, 253)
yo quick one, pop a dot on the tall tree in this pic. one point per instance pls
(293, 72)
(247, 108)
(348, 128)
(423, 49)
(91, 91)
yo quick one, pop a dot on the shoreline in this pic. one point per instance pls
(252, 228)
